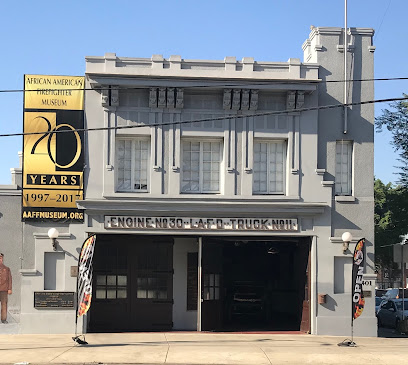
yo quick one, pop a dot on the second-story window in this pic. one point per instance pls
(132, 164)
(269, 172)
(201, 165)
(344, 159)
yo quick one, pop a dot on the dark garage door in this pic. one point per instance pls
(133, 284)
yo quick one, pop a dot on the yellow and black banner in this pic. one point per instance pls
(53, 147)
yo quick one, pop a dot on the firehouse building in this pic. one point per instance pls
(218, 192)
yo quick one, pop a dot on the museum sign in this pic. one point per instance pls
(53, 158)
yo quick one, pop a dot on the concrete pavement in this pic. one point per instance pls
(200, 348)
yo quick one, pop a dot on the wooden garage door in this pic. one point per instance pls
(133, 284)
(152, 285)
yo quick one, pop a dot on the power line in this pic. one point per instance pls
(324, 107)
(303, 81)
(382, 20)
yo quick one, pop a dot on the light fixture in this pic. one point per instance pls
(53, 234)
(273, 250)
(346, 237)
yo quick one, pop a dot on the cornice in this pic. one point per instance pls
(10, 190)
(98, 80)
(202, 207)
(338, 31)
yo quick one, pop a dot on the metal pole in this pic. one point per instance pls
(345, 67)
(200, 255)
(403, 278)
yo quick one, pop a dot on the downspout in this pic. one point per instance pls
(345, 67)
(200, 256)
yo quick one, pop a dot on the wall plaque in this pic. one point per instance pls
(48, 299)
(367, 293)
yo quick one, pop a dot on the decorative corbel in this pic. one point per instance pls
(227, 99)
(162, 97)
(300, 100)
(179, 98)
(245, 100)
(290, 100)
(115, 96)
(236, 99)
(153, 98)
(170, 97)
(253, 105)
(105, 97)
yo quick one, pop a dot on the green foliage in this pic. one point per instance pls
(391, 220)
(396, 121)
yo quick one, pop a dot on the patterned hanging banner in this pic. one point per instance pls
(84, 283)
(357, 279)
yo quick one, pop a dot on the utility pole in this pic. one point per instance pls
(345, 128)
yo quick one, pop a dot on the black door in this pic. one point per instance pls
(212, 288)
(110, 307)
(152, 284)
(132, 284)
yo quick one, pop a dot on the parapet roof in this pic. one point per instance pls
(176, 67)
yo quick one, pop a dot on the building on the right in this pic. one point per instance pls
(345, 160)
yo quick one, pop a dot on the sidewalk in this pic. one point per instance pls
(200, 348)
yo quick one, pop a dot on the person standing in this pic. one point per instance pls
(5, 288)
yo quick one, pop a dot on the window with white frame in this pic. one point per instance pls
(269, 170)
(201, 166)
(132, 164)
(344, 160)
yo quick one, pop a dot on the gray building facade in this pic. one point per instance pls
(218, 193)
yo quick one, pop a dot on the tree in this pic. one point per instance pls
(396, 121)
(391, 221)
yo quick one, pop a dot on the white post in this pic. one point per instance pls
(200, 255)
(403, 278)
(313, 286)
(345, 67)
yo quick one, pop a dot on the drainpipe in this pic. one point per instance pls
(345, 67)
(200, 255)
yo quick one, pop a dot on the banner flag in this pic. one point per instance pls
(84, 283)
(357, 279)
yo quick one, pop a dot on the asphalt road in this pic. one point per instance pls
(390, 333)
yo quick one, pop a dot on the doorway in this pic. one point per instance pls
(256, 285)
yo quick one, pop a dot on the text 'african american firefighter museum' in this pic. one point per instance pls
(218, 192)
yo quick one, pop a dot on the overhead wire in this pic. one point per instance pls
(224, 117)
(382, 20)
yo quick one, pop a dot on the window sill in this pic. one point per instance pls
(199, 193)
(345, 198)
(269, 194)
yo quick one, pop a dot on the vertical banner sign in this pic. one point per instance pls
(53, 158)
(84, 283)
(357, 279)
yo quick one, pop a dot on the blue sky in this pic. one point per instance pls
(53, 37)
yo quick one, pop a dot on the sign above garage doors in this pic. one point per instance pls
(183, 223)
